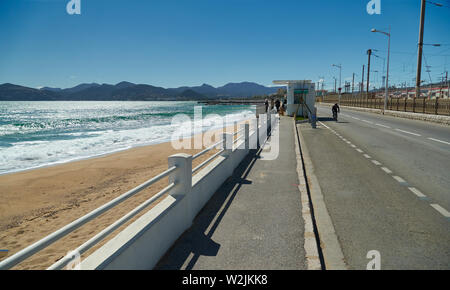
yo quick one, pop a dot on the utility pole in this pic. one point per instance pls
(353, 84)
(369, 52)
(448, 84)
(419, 54)
(323, 92)
(362, 82)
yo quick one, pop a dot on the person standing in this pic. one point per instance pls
(266, 103)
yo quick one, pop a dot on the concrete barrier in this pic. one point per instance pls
(146, 240)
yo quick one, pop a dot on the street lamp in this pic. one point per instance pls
(387, 71)
(340, 74)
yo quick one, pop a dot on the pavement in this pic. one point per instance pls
(253, 222)
(385, 182)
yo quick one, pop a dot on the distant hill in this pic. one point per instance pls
(10, 92)
(132, 92)
(245, 89)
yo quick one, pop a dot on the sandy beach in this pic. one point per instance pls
(38, 202)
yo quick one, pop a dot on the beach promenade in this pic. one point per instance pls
(254, 221)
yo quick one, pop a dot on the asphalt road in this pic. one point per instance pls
(386, 185)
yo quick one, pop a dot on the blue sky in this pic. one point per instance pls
(171, 43)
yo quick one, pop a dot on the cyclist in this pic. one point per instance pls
(335, 111)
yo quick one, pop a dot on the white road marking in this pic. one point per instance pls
(441, 210)
(356, 118)
(367, 156)
(324, 125)
(376, 162)
(367, 121)
(359, 150)
(407, 132)
(387, 170)
(353, 146)
(384, 126)
(399, 179)
(437, 140)
(417, 192)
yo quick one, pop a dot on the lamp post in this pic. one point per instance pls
(340, 74)
(387, 71)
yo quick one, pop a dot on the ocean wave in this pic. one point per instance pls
(46, 141)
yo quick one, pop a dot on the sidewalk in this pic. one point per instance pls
(252, 222)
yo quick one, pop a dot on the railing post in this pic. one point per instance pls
(262, 132)
(246, 133)
(182, 177)
(227, 146)
(257, 133)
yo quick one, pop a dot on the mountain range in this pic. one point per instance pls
(126, 91)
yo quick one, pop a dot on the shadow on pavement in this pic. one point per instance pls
(196, 241)
(328, 119)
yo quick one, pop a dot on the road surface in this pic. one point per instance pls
(386, 185)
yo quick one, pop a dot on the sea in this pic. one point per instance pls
(37, 134)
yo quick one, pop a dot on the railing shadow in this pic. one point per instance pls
(196, 241)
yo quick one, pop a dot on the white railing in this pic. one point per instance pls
(50, 239)
(228, 145)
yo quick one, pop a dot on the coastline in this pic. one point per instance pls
(37, 202)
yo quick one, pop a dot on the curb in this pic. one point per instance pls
(329, 243)
(313, 261)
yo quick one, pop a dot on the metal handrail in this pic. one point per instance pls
(55, 236)
(100, 236)
(206, 150)
(237, 139)
(207, 161)
(237, 132)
